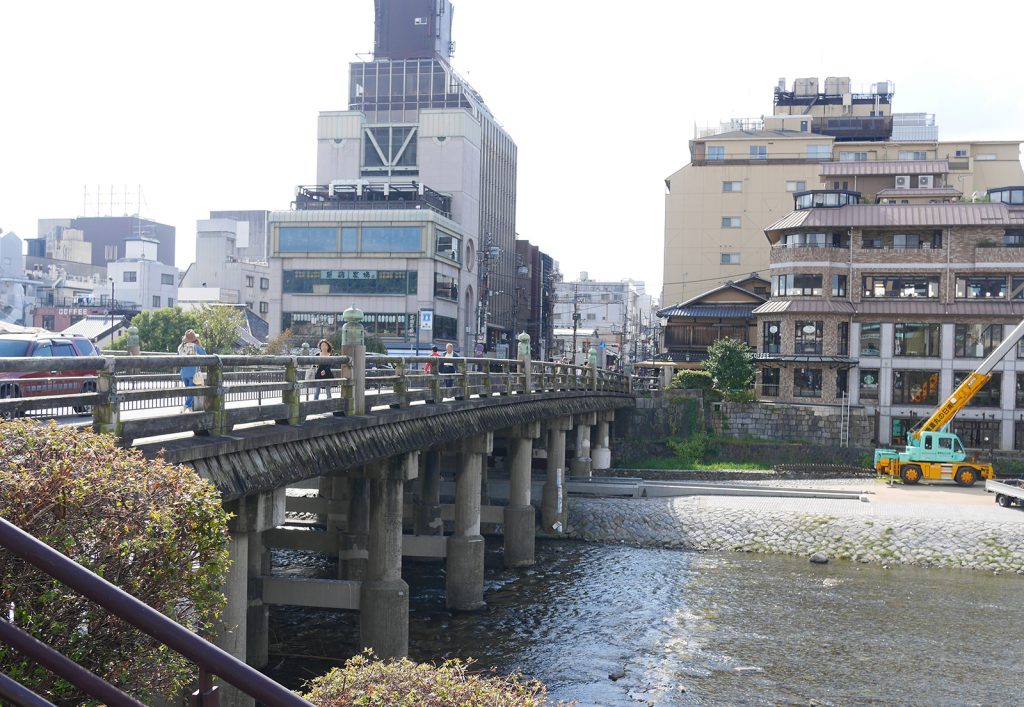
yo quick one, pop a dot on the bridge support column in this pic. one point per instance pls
(384, 596)
(601, 453)
(581, 462)
(352, 545)
(465, 562)
(553, 502)
(520, 518)
(428, 498)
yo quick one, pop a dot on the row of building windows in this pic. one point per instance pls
(350, 239)
(923, 339)
(909, 387)
(901, 286)
(760, 152)
(350, 282)
(324, 325)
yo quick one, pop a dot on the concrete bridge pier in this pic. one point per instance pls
(552, 508)
(520, 518)
(352, 544)
(580, 467)
(384, 595)
(428, 495)
(465, 561)
(601, 453)
(254, 514)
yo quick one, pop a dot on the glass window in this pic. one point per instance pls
(870, 339)
(843, 341)
(1013, 239)
(796, 185)
(770, 381)
(446, 327)
(976, 340)
(730, 222)
(349, 239)
(130, 276)
(869, 384)
(166, 279)
(913, 155)
(915, 387)
(446, 287)
(796, 285)
(170, 301)
(1020, 391)
(156, 301)
(350, 282)
(981, 287)
(866, 242)
(819, 152)
(917, 339)
(62, 348)
(716, 152)
(808, 338)
(264, 283)
(853, 157)
(901, 286)
(904, 241)
(392, 239)
(264, 307)
(250, 281)
(839, 285)
(758, 152)
(979, 434)
(448, 246)
(732, 186)
(842, 383)
(307, 239)
(771, 337)
(990, 394)
(730, 258)
(310, 324)
(807, 382)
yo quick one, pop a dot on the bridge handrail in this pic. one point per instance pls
(208, 657)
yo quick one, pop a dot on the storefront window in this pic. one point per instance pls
(915, 387)
(808, 339)
(870, 339)
(771, 337)
(869, 384)
(976, 340)
(917, 339)
(990, 394)
(807, 382)
(770, 382)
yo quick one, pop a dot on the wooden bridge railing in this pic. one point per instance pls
(137, 397)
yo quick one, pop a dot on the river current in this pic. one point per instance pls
(699, 629)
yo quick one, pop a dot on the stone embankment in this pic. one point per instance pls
(687, 523)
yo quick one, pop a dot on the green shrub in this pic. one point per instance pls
(695, 449)
(691, 380)
(155, 530)
(402, 683)
(731, 365)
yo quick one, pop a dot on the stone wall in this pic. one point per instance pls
(663, 413)
(683, 523)
(817, 424)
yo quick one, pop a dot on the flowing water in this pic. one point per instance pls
(693, 629)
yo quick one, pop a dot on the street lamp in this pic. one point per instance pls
(110, 309)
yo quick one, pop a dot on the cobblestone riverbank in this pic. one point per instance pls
(849, 530)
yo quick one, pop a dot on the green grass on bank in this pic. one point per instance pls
(676, 464)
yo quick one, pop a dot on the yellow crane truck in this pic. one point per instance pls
(934, 453)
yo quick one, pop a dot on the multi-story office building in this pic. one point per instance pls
(256, 248)
(139, 280)
(393, 250)
(105, 237)
(533, 298)
(890, 306)
(742, 175)
(614, 311)
(221, 273)
(412, 119)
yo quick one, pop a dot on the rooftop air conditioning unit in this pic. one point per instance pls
(925, 181)
(903, 181)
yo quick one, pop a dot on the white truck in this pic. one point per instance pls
(1009, 492)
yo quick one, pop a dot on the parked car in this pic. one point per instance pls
(37, 384)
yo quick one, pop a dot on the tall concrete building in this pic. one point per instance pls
(106, 237)
(412, 119)
(742, 174)
(221, 273)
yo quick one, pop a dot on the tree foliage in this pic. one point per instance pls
(162, 329)
(402, 683)
(218, 327)
(156, 530)
(731, 365)
(691, 380)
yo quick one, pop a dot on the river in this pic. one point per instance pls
(693, 629)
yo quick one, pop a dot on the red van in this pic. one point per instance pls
(31, 385)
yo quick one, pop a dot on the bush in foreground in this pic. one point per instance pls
(402, 683)
(155, 530)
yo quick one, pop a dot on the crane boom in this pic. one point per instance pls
(974, 382)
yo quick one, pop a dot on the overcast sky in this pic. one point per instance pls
(213, 105)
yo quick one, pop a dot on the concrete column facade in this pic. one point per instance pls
(352, 545)
(601, 453)
(465, 561)
(232, 637)
(553, 501)
(384, 595)
(581, 461)
(428, 498)
(258, 615)
(520, 518)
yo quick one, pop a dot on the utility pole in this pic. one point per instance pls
(575, 317)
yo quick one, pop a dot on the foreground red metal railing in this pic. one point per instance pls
(210, 659)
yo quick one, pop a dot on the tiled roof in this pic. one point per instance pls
(709, 311)
(899, 215)
(883, 168)
(666, 312)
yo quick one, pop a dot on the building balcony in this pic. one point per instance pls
(796, 253)
(848, 128)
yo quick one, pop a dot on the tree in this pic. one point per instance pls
(218, 327)
(156, 530)
(162, 329)
(731, 365)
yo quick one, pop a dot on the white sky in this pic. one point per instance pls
(213, 105)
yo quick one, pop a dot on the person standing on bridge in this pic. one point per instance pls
(190, 346)
(323, 370)
(434, 353)
(447, 367)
